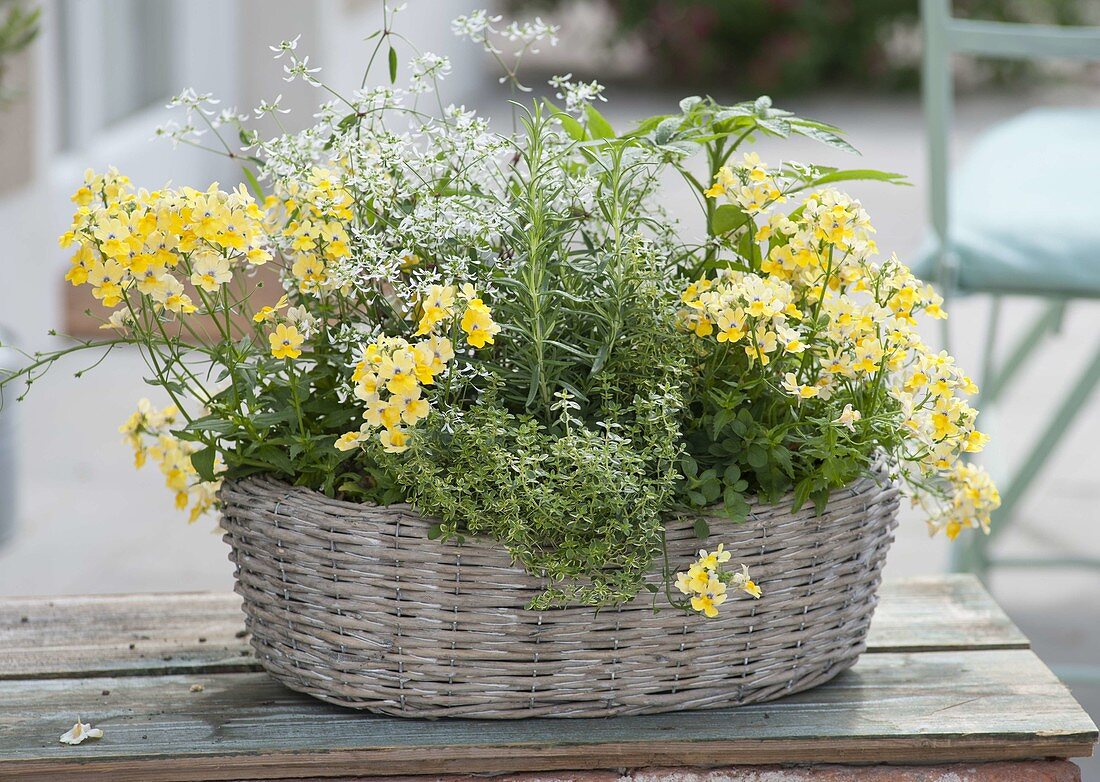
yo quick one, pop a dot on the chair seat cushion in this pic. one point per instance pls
(1025, 207)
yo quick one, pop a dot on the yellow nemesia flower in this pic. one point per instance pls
(285, 342)
(477, 322)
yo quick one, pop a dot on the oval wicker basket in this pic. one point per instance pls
(354, 605)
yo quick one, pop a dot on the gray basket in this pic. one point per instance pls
(354, 605)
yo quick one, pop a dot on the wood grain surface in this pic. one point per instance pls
(950, 680)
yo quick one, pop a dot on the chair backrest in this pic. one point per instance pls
(946, 35)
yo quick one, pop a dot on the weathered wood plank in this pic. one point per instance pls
(126, 635)
(942, 612)
(122, 635)
(928, 707)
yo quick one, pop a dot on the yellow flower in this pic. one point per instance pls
(477, 322)
(348, 441)
(730, 327)
(974, 441)
(285, 341)
(743, 582)
(436, 306)
(394, 440)
(401, 367)
(699, 324)
(179, 302)
(848, 417)
(694, 580)
(266, 313)
(82, 260)
(210, 271)
(414, 411)
(795, 389)
(711, 560)
(707, 602)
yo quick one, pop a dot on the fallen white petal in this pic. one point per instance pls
(80, 731)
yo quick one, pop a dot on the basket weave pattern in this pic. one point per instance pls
(354, 604)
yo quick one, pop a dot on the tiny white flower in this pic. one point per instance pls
(80, 731)
(285, 46)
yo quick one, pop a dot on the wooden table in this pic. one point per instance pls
(948, 679)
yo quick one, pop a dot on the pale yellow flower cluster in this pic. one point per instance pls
(972, 499)
(708, 584)
(743, 307)
(152, 242)
(747, 184)
(319, 209)
(148, 432)
(394, 374)
(838, 325)
(390, 380)
(438, 305)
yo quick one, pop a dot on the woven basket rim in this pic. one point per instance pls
(877, 469)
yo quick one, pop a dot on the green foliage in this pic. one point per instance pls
(762, 45)
(18, 28)
(577, 506)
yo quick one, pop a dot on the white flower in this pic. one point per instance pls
(80, 731)
(302, 318)
(476, 27)
(299, 69)
(285, 46)
(577, 95)
(270, 107)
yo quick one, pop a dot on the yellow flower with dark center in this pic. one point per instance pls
(477, 322)
(285, 341)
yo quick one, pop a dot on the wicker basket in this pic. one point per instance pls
(355, 605)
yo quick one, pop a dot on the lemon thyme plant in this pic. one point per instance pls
(507, 330)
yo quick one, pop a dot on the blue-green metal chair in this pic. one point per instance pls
(1020, 217)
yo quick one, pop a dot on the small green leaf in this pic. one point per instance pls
(393, 65)
(697, 498)
(728, 217)
(597, 125)
(435, 532)
(719, 422)
(732, 473)
(860, 174)
(702, 529)
(203, 462)
(687, 104)
(666, 129)
(819, 131)
(802, 493)
(737, 509)
(277, 458)
(689, 466)
(573, 128)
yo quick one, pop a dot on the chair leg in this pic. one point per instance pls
(1055, 430)
(973, 554)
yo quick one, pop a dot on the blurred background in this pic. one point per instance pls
(85, 83)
